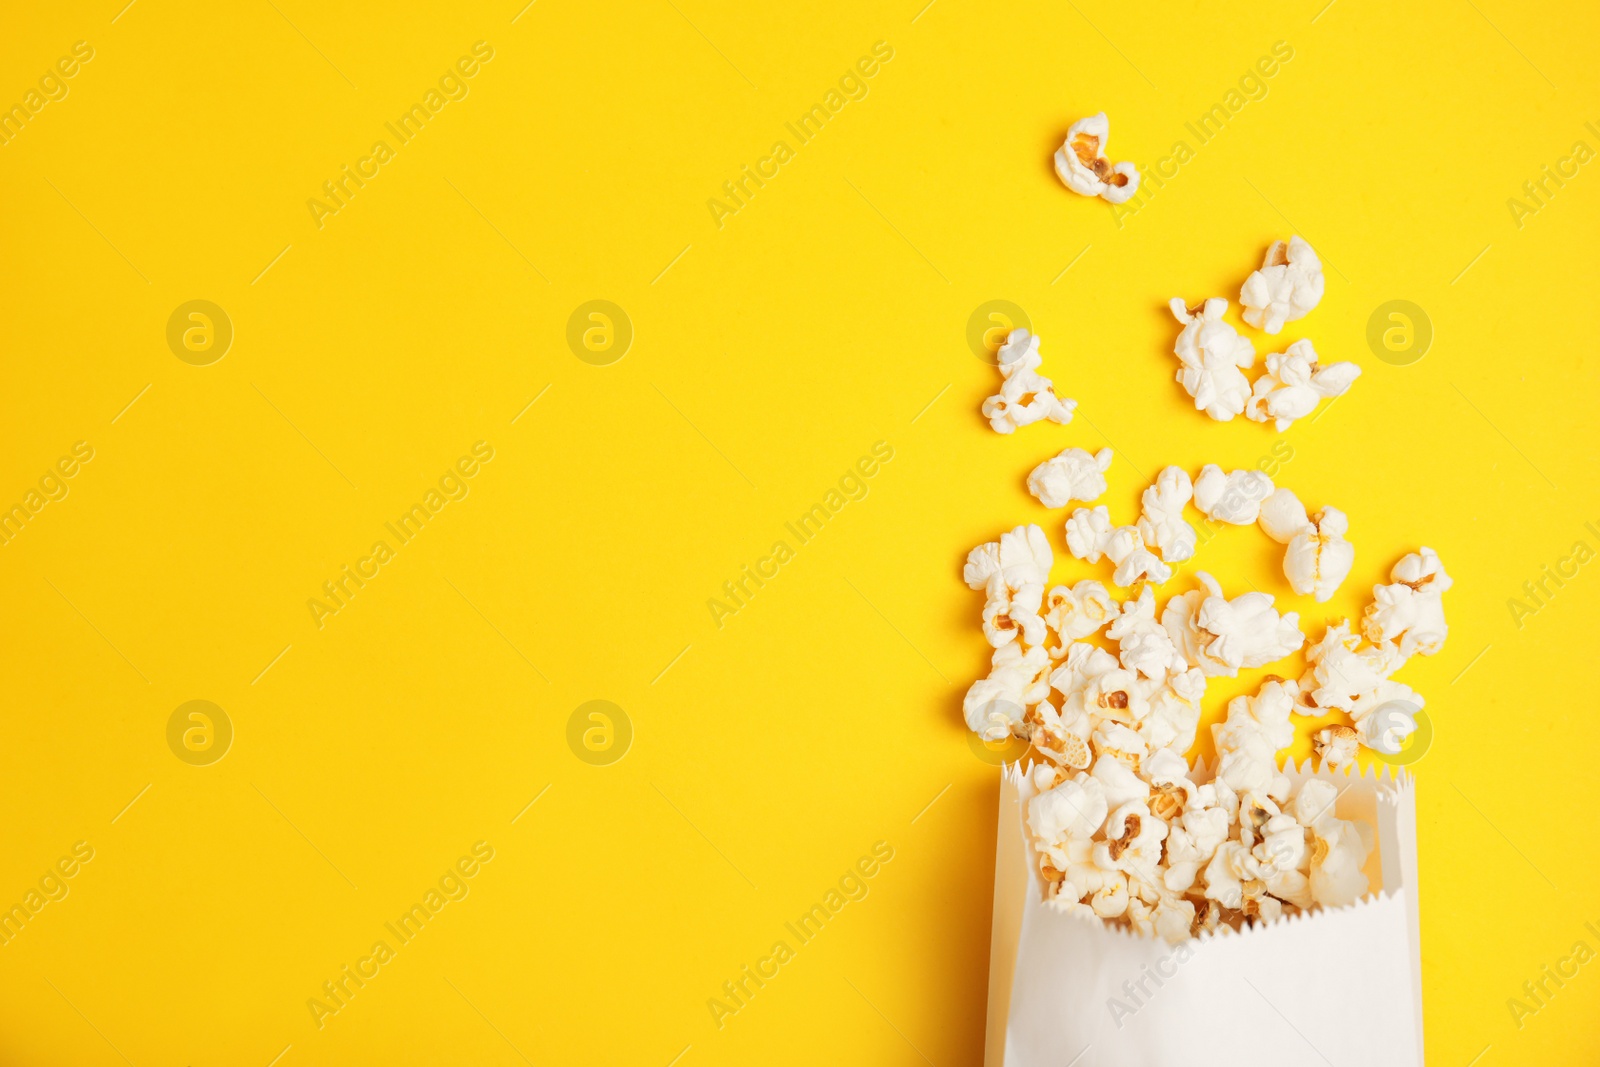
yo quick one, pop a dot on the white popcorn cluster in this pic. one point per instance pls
(1082, 165)
(1109, 693)
(1213, 356)
(1025, 396)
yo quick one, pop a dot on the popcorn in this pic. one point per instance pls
(1295, 383)
(994, 706)
(1222, 636)
(1088, 533)
(1121, 829)
(1235, 498)
(1288, 285)
(1319, 557)
(1135, 563)
(1336, 745)
(1213, 356)
(1072, 475)
(1248, 742)
(1410, 613)
(1025, 396)
(1341, 672)
(1080, 611)
(1082, 164)
(1161, 521)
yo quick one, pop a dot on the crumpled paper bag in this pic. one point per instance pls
(1332, 988)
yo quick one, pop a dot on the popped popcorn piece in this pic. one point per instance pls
(1161, 521)
(994, 707)
(1088, 533)
(1318, 558)
(1074, 809)
(1082, 165)
(1135, 563)
(1213, 356)
(1248, 742)
(1222, 636)
(1071, 475)
(1021, 557)
(1080, 611)
(1336, 745)
(1295, 383)
(1235, 498)
(1339, 850)
(1410, 612)
(1288, 285)
(1025, 396)
(1341, 670)
(1143, 643)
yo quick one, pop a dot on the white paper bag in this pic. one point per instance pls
(1339, 987)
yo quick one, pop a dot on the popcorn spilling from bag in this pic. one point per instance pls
(1123, 830)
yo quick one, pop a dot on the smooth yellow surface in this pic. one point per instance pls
(770, 353)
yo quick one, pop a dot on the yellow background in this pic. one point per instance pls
(769, 354)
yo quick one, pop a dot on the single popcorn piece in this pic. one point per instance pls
(1341, 672)
(1025, 396)
(1161, 521)
(1234, 498)
(1089, 533)
(1213, 358)
(1135, 563)
(1082, 165)
(1249, 740)
(1288, 285)
(1073, 474)
(1336, 746)
(1080, 611)
(1409, 614)
(995, 707)
(1318, 557)
(1295, 383)
(1222, 636)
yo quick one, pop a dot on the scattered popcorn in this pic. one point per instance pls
(1318, 557)
(1082, 164)
(1025, 396)
(1410, 612)
(1288, 285)
(1161, 521)
(1072, 475)
(1213, 356)
(1234, 498)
